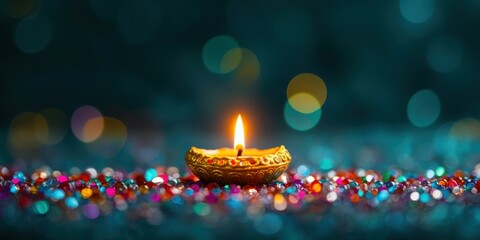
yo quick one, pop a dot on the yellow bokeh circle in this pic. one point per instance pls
(306, 92)
(304, 102)
(248, 69)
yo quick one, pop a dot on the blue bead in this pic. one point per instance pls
(382, 196)
(48, 193)
(234, 204)
(360, 193)
(177, 200)
(14, 189)
(71, 202)
(290, 190)
(424, 197)
(189, 192)
(368, 195)
(216, 191)
(389, 184)
(150, 174)
(50, 183)
(57, 194)
(20, 176)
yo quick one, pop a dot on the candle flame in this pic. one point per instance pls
(239, 142)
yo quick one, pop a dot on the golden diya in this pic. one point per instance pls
(238, 165)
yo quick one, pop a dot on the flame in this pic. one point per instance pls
(239, 142)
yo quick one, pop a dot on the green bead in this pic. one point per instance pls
(439, 171)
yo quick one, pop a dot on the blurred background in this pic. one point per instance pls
(128, 84)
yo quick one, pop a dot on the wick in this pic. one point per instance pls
(239, 153)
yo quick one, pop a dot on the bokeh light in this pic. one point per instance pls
(423, 108)
(279, 202)
(303, 170)
(453, 139)
(465, 129)
(50, 126)
(312, 90)
(417, 11)
(201, 209)
(92, 129)
(301, 121)
(40, 128)
(304, 102)
(33, 34)
(87, 123)
(248, 69)
(218, 56)
(445, 54)
(437, 194)
(322, 156)
(167, 75)
(22, 134)
(439, 171)
(414, 196)
(332, 196)
(41, 207)
(23, 8)
(230, 60)
(91, 211)
(71, 202)
(111, 140)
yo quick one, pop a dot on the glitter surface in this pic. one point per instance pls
(156, 197)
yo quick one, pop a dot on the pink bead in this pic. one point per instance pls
(164, 177)
(110, 192)
(301, 194)
(15, 180)
(62, 178)
(155, 197)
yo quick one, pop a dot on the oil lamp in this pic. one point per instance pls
(238, 165)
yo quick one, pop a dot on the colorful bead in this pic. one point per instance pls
(93, 193)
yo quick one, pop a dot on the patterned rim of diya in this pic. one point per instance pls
(254, 167)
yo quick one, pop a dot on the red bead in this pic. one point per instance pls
(452, 183)
(458, 180)
(39, 180)
(66, 186)
(85, 176)
(140, 180)
(212, 186)
(101, 178)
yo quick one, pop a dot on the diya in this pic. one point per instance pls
(240, 165)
